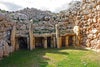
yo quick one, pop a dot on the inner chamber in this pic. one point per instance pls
(22, 41)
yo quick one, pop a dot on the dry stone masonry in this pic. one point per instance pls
(5, 32)
(88, 19)
(79, 25)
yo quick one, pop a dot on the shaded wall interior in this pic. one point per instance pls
(8, 37)
(22, 42)
(39, 42)
(49, 42)
(70, 41)
(63, 41)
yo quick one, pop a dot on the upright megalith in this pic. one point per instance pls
(57, 36)
(76, 30)
(31, 38)
(13, 35)
(45, 42)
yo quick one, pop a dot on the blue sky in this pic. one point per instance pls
(52, 5)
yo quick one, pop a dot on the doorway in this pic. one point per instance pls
(63, 41)
(22, 41)
(70, 41)
(48, 42)
(39, 42)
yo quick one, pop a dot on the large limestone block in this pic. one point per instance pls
(45, 42)
(13, 32)
(1, 51)
(88, 43)
(93, 43)
(94, 30)
(11, 49)
(6, 49)
(90, 36)
(98, 44)
(1, 48)
(76, 30)
(60, 42)
(98, 7)
(67, 37)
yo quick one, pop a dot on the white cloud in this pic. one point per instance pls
(52, 5)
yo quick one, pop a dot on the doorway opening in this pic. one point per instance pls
(63, 41)
(70, 41)
(22, 41)
(39, 42)
(48, 42)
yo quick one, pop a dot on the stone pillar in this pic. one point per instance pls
(17, 44)
(28, 42)
(57, 36)
(78, 40)
(45, 42)
(13, 33)
(33, 42)
(60, 42)
(76, 30)
(54, 42)
(1, 51)
(66, 43)
(32, 46)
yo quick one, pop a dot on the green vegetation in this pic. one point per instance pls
(2, 11)
(52, 58)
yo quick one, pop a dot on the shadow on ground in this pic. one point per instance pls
(35, 58)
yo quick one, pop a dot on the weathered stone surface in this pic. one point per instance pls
(1, 51)
(76, 30)
(6, 49)
(1, 17)
(85, 16)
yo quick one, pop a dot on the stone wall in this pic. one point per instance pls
(88, 18)
(5, 32)
(85, 14)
